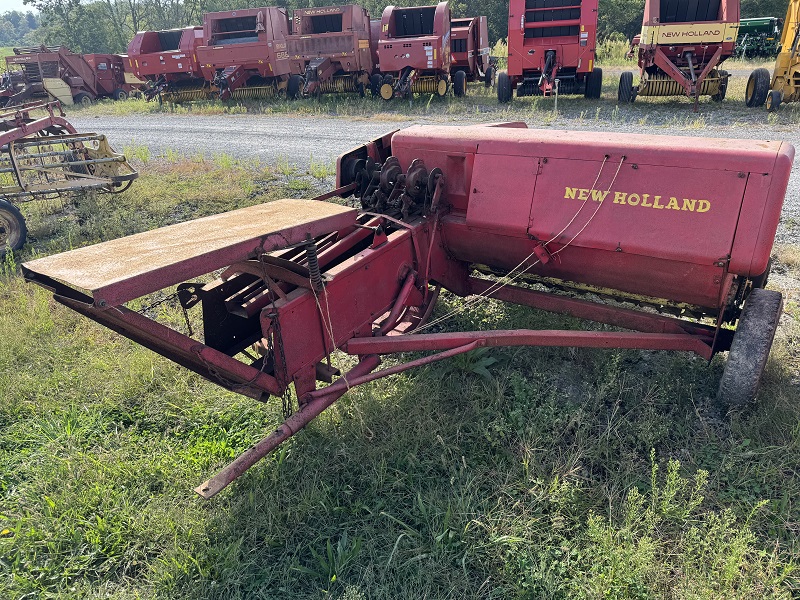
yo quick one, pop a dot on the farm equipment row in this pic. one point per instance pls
(42, 156)
(55, 73)
(260, 52)
(291, 291)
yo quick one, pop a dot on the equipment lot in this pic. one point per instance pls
(513, 473)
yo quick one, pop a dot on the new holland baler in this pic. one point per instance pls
(329, 51)
(680, 49)
(244, 54)
(551, 40)
(167, 61)
(535, 218)
(414, 51)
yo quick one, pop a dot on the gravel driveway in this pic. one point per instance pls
(297, 138)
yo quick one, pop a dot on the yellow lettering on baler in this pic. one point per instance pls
(638, 199)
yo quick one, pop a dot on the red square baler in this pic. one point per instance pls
(666, 243)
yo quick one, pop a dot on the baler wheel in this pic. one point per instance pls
(720, 95)
(488, 78)
(83, 99)
(296, 83)
(120, 94)
(757, 88)
(773, 101)
(625, 93)
(594, 84)
(504, 91)
(13, 230)
(375, 84)
(459, 84)
(387, 91)
(441, 87)
(750, 348)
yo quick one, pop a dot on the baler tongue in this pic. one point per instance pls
(121, 270)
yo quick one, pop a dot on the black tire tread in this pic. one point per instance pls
(504, 92)
(625, 92)
(13, 212)
(594, 84)
(750, 348)
(761, 80)
(459, 84)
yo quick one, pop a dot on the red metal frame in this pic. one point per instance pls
(16, 122)
(501, 199)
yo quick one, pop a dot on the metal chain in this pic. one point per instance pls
(164, 300)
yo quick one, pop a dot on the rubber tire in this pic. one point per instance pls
(755, 94)
(625, 93)
(459, 84)
(360, 89)
(594, 84)
(375, 83)
(723, 90)
(19, 231)
(504, 91)
(488, 78)
(82, 99)
(294, 87)
(773, 101)
(750, 349)
(120, 94)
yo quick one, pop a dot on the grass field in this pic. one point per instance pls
(549, 473)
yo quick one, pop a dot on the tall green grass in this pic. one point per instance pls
(542, 473)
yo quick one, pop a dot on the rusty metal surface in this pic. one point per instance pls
(119, 270)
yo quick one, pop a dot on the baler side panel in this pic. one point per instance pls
(499, 203)
(763, 201)
(650, 210)
(649, 276)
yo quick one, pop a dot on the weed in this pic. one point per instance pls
(332, 566)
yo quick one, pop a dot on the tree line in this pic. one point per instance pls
(108, 25)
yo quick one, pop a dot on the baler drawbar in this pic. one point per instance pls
(529, 217)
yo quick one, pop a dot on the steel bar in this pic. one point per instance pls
(347, 382)
(287, 429)
(203, 360)
(528, 337)
(400, 303)
(592, 311)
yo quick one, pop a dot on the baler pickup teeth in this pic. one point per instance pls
(121, 270)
